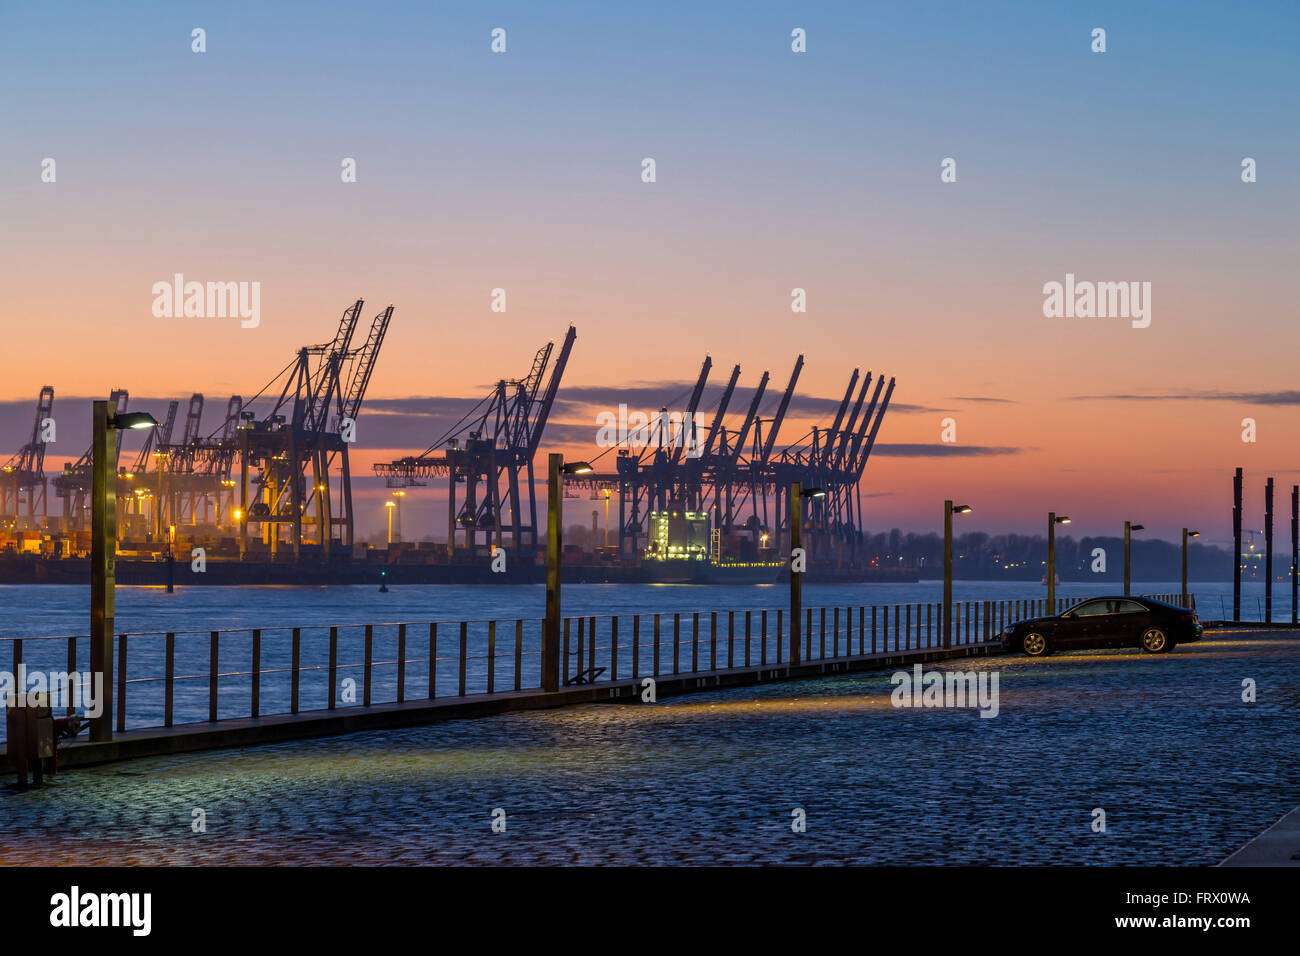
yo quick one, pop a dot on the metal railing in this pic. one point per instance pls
(164, 677)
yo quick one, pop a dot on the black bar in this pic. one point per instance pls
(365, 670)
(334, 665)
(255, 683)
(121, 682)
(170, 682)
(401, 663)
(295, 663)
(213, 641)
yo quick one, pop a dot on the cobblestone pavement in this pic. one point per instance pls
(1185, 771)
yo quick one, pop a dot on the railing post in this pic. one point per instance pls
(731, 639)
(433, 661)
(564, 674)
(582, 647)
(121, 682)
(492, 656)
(365, 670)
(295, 666)
(591, 644)
(677, 643)
(636, 645)
(213, 641)
(255, 678)
(807, 632)
(519, 654)
(613, 648)
(748, 634)
(873, 629)
(762, 640)
(401, 663)
(656, 647)
(72, 671)
(835, 637)
(168, 686)
(695, 642)
(713, 641)
(464, 644)
(334, 665)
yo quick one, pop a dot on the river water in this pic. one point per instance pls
(39, 612)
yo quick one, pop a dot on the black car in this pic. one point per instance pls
(1152, 625)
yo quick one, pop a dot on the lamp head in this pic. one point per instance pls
(132, 420)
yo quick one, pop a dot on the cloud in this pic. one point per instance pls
(1286, 397)
(941, 450)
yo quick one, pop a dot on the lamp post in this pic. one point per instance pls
(948, 511)
(399, 494)
(798, 495)
(1128, 541)
(556, 469)
(1186, 534)
(1052, 521)
(390, 505)
(1295, 548)
(171, 559)
(105, 423)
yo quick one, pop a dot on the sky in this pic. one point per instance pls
(775, 170)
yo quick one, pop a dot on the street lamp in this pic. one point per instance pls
(1128, 537)
(949, 509)
(606, 517)
(390, 505)
(798, 495)
(399, 495)
(105, 423)
(1052, 521)
(1186, 534)
(550, 654)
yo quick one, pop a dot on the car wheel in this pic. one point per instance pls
(1034, 644)
(1155, 641)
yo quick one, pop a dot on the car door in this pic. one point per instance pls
(1131, 619)
(1085, 625)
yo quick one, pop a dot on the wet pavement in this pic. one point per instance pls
(1185, 771)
